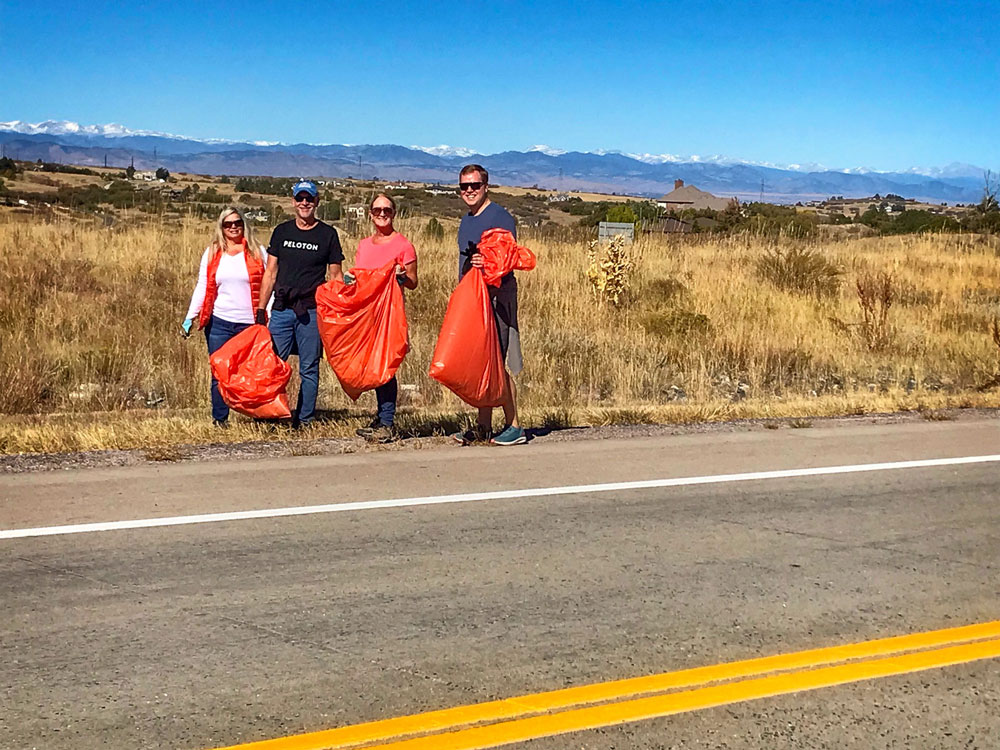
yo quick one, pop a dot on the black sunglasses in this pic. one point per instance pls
(379, 211)
(304, 198)
(232, 224)
(473, 186)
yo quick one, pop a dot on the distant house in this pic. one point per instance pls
(558, 198)
(356, 212)
(670, 225)
(688, 196)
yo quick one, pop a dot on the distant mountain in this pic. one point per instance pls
(607, 171)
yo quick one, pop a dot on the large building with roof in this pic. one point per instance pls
(688, 196)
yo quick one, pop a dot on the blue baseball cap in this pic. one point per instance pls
(305, 186)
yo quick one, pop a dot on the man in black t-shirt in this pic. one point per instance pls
(302, 252)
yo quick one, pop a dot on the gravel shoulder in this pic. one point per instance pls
(40, 462)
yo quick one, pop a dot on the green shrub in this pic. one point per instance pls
(434, 229)
(329, 211)
(8, 168)
(920, 221)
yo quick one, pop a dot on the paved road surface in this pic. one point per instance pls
(199, 636)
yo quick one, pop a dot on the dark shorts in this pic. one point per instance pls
(504, 299)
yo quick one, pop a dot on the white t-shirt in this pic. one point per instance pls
(233, 302)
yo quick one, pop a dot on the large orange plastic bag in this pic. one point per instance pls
(501, 255)
(363, 328)
(252, 378)
(467, 358)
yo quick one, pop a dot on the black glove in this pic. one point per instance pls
(261, 317)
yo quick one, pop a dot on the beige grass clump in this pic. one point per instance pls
(609, 270)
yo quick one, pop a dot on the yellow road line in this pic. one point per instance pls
(521, 730)
(558, 700)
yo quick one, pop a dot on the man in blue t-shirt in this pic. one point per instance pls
(473, 182)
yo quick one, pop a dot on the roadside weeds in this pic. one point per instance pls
(193, 441)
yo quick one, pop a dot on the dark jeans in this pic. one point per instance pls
(217, 333)
(386, 397)
(288, 329)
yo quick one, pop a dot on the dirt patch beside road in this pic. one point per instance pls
(325, 446)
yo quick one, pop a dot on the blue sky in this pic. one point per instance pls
(878, 84)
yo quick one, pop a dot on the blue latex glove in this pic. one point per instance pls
(186, 327)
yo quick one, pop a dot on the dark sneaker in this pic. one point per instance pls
(475, 434)
(368, 429)
(510, 436)
(222, 424)
(383, 434)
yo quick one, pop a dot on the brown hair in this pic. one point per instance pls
(470, 168)
(371, 203)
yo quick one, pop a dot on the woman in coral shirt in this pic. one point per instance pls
(227, 294)
(382, 247)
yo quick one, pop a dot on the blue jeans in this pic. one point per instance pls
(217, 333)
(386, 397)
(287, 330)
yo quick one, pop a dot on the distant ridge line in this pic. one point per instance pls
(540, 166)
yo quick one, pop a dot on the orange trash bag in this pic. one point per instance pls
(363, 328)
(252, 378)
(501, 255)
(467, 359)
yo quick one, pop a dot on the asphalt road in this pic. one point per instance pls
(199, 636)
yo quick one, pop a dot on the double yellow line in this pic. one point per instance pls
(574, 709)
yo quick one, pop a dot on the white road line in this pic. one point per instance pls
(403, 502)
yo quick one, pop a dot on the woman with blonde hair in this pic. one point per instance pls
(386, 245)
(227, 294)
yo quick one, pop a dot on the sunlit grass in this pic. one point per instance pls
(90, 356)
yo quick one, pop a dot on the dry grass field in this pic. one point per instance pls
(705, 329)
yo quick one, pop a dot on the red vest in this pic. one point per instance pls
(255, 270)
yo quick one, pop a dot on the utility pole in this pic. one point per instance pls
(762, 191)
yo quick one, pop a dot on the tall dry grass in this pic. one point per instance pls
(89, 326)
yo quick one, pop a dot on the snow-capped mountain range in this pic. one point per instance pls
(110, 130)
(542, 165)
